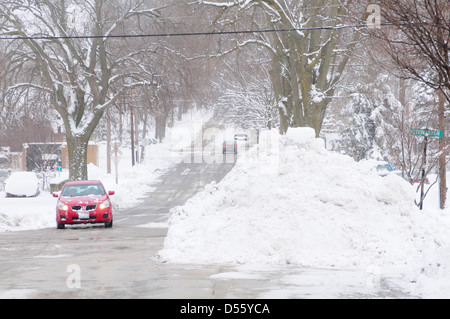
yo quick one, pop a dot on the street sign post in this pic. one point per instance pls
(426, 132)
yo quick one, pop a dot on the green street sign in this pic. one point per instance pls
(428, 132)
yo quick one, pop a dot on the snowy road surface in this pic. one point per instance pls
(94, 262)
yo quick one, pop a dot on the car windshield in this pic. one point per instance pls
(384, 168)
(83, 190)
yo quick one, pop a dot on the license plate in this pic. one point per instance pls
(83, 215)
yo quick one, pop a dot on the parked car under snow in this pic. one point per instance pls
(22, 184)
(384, 169)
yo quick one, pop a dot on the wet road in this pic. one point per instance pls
(121, 262)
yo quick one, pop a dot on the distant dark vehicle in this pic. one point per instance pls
(242, 139)
(229, 147)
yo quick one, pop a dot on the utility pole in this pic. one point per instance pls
(423, 169)
(425, 132)
(116, 163)
(442, 153)
(108, 141)
(133, 162)
(136, 138)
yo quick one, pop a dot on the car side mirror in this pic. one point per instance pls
(55, 195)
(111, 193)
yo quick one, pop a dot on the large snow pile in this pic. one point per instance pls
(302, 204)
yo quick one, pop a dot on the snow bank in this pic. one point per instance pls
(39, 212)
(317, 208)
(27, 213)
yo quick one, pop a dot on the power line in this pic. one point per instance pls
(185, 34)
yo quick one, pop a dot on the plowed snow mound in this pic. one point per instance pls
(294, 202)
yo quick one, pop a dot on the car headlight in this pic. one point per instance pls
(105, 204)
(62, 206)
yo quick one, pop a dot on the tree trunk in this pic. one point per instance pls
(284, 117)
(144, 136)
(160, 127)
(77, 149)
(443, 153)
(108, 142)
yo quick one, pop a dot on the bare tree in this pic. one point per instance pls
(247, 99)
(180, 77)
(395, 119)
(418, 40)
(79, 74)
(308, 61)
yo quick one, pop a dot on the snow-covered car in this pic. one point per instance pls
(229, 147)
(242, 139)
(384, 169)
(418, 179)
(22, 184)
(83, 202)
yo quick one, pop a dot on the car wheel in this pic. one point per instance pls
(109, 225)
(60, 226)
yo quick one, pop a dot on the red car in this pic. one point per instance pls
(83, 202)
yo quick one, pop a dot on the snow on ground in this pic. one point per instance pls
(39, 212)
(288, 201)
(133, 182)
(27, 213)
(301, 204)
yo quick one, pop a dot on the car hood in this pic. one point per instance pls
(83, 200)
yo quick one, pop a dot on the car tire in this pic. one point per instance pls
(109, 224)
(60, 226)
